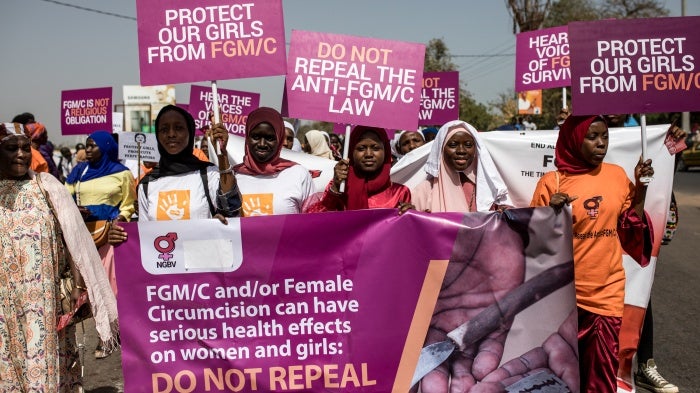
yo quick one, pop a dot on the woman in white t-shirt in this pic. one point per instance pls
(182, 187)
(269, 184)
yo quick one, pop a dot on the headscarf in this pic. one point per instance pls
(319, 144)
(8, 130)
(567, 153)
(447, 193)
(359, 187)
(184, 161)
(429, 130)
(296, 145)
(276, 164)
(107, 164)
(36, 130)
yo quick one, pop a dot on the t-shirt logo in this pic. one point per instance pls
(592, 206)
(173, 205)
(257, 205)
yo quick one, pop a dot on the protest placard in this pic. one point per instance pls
(542, 59)
(86, 110)
(188, 41)
(635, 65)
(439, 101)
(135, 145)
(354, 80)
(234, 107)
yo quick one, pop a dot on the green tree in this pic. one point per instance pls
(438, 58)
(564, 11)
(628, 9)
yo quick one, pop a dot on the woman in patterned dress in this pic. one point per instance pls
(34, 355)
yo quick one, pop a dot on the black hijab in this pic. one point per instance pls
(184, 161)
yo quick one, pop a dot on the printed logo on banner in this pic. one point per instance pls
(179, 246)
(165, 245)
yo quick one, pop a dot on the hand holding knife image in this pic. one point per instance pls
(482, 292)
(496, 317)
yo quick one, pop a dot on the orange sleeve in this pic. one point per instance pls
(200, 154)
(39, 163)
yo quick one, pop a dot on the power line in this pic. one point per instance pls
(91, 10)
(487, 55)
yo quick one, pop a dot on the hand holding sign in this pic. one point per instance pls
(220, 135)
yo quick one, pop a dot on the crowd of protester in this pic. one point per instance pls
(460, 176)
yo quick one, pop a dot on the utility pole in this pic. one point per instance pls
(685, 117)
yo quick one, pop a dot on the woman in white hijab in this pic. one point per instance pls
(290, 139)
(318, 144)
(461, 175)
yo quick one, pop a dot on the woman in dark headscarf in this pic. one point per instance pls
(608, 216)
(182, 187)
(270, 185)
(102, 186)
(103, 189)
(367, 175)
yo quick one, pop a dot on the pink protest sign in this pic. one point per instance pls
(86, 110)
(234, 107)
(542, 59)
(439, 101)
(187, 41)
(635, 65)
(355, 80)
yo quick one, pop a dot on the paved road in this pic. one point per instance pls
(675, 294)
(676, 302)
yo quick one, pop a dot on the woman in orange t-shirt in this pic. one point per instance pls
(608, 217)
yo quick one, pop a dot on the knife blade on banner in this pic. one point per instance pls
(497, 315)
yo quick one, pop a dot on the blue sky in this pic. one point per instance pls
(49, 47)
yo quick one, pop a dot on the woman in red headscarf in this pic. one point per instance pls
(366, 174)
(269, 184)
(608, 217)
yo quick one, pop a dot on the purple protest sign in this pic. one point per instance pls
(439, 101)
(234, 107)
(86, 110)
(542, 59)
(635, 65)
(354, 80)
(240, 307)
(187, 41)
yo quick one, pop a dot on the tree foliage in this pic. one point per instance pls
(438, 58)
(528, 15)
(628, 9)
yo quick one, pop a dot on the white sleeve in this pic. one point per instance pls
(143, 204)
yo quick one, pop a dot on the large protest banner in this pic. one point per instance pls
(234, 107)
(542, 59)
(439, 99)
(635, 65)
(523, 157)
(242, 307)
(86, 110)
(354, 80)
(188, 41)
